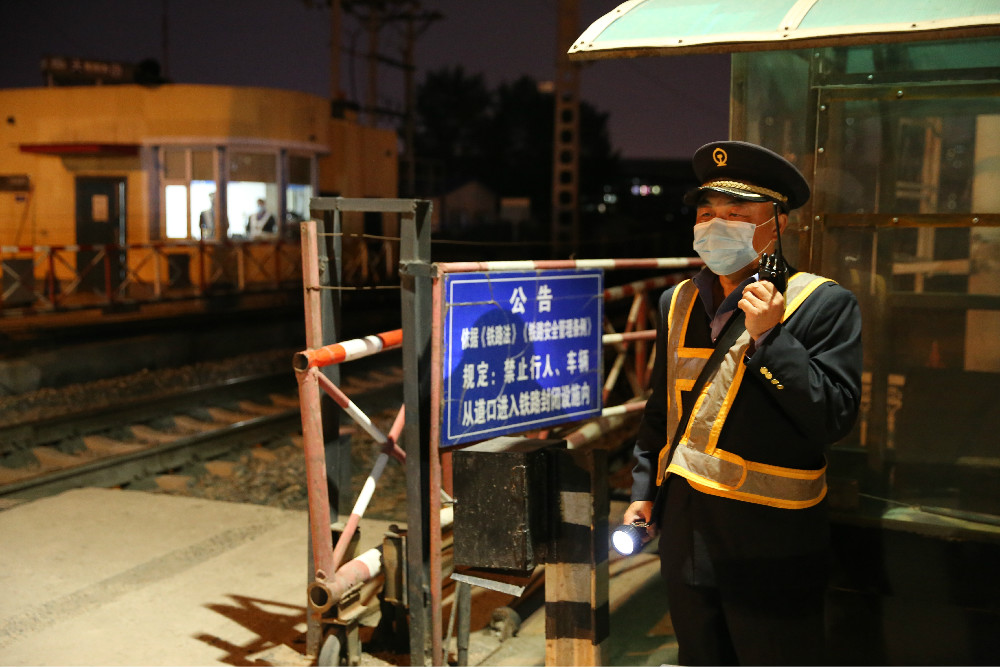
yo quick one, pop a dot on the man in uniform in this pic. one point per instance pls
(261, 222)
(733, 478)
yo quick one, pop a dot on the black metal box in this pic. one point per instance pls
(502, 504)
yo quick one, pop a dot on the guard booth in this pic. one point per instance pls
(892, 111)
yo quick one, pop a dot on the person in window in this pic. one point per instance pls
(206, 221)
(733, 479)
(261, 223)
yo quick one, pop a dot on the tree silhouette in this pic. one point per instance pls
(454, 113)
(503, 138)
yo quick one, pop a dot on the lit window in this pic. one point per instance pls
(252, 194)
(189, 185)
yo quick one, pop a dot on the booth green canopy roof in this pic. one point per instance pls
(668, 27)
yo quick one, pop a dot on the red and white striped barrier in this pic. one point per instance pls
(540, 264)
(347, 350)
(615, 338)
(639, 286)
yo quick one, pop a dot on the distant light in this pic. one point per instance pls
(645, 190)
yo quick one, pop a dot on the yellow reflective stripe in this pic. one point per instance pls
(686, 289)
(686, 437)
(801, 296)
(687, 316)
(679, 386)
(702, 481)
(790, 473)
(753, 498)
(716, 488)
(673, 300)
(694, 352)
(659, 464)
(732, 458)
(720, 420)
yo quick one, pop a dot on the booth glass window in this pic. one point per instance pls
(906, 59)
(300, 188)
(915, 154)
(189, 185)
(770, 100)
(253, 176)
(901, 146)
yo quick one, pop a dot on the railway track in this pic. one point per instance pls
(149, 436)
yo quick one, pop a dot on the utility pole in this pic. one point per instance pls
(336, 33)
(374, 25)
(165, 40)
(375, 15)
(566, 143)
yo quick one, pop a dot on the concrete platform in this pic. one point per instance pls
(111, 577)
(107, 577)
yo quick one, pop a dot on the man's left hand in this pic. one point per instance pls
(764, 307)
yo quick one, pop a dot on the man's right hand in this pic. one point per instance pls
(641, 510)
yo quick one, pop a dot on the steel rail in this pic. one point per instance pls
(46, 430)
(120, 469)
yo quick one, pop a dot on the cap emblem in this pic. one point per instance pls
(720, 157)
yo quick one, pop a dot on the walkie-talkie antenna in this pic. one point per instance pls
(777, 243)
(772, 265)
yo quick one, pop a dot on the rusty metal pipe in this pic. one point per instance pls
(347, 350)
(611, 419)
(326, 591)
(532, 265)
(633, 288)
(316, 487)
(626, 337)
(389, 449)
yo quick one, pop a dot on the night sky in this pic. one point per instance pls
(659, 107)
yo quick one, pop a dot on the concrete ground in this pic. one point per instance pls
(111, 577)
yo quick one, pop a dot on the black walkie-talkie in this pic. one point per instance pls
(772, 265)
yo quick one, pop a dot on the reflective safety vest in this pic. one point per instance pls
(697, 457)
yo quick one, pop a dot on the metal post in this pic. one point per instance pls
(312, 432)
(434, 500)
(463, 598)
(338, 451)
(415, 280)
(576, 571)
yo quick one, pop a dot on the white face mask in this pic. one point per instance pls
(726, 246)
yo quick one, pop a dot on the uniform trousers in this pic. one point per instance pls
(732, 624)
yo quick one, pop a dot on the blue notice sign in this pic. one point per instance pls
(522, 350)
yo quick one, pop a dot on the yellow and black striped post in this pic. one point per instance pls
(576, 570)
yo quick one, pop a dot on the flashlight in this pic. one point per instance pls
(629, 538)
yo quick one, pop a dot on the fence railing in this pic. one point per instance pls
(332, 576)
(72, 277)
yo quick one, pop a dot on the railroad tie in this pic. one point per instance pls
(151, 435)
(101, 445)
(261, 409)
(51, 458)
(284, 400)
(224, 416)
(192, 425)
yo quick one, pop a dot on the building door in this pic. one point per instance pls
(100, 220)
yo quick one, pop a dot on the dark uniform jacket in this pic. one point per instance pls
(816, 356)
